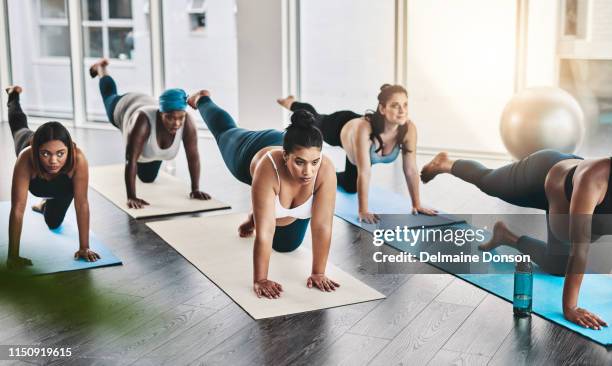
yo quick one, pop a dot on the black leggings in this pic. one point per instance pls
(522, 184)
(238, 146)
(331, 126)
(55, 208)
(147, 172)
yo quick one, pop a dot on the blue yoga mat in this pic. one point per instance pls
(381, 201)
(498, 279)
(51, 251)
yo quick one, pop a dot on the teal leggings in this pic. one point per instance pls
(238, 146)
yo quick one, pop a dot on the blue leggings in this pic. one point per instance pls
(108, 90)
(238, 146)
(147, 172)
(522, 183)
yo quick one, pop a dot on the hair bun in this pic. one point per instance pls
(302, 119)
(385, 86)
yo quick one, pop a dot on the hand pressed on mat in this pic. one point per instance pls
(267, 288)
(322, 282)
(199, 195)
(87, 254)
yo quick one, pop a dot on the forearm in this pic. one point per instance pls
(261, 259)
(571, 290)
(15, 227)
(321, 240)
(194, 172)
(130, 179)
(82, 211)
(412, 181)
(363, 183)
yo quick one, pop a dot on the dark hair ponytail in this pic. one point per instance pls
(377, 120)
(302, 132)
(48, 132)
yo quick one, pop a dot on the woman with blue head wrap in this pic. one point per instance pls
(153, 131)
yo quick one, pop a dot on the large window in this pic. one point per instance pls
(117, 30)
(347, 52)
(108, 29)
(200, 48)
(40, 56)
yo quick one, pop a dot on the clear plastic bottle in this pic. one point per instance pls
(523, 289)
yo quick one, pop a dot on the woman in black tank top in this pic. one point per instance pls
(576, 195)
(49, 165)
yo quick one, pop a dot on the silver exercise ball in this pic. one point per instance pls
(542, 118)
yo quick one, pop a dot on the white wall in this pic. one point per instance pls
(460, 74)
(542, 69)
(260, 63)
(347, 52)
(206, 61)
(47, 84)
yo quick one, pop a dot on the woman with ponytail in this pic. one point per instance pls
(291, 183)
(376, 137)
(49, 165)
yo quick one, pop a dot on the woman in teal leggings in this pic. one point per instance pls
(292, 185)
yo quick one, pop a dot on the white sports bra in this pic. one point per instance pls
(303, 211)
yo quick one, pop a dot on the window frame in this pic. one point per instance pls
(50, 22)
(106, 23)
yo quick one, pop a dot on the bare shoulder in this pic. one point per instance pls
(190, 123)
(411, 132)
(24, 159)
(327, 167)
(264, 171)
(327, 172)
(596, 171)
(80, 158)
(363, 124)
(142, 122)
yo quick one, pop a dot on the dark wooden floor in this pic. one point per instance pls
(158, 309)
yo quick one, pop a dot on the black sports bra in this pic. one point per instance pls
(58, 187)
(605, 207)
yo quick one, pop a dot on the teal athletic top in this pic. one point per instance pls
(384, 159)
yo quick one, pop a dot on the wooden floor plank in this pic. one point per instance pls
(485, 329)
(391, 316)
(421, 340)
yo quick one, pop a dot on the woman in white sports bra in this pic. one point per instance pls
(293, 185)
(153, 131)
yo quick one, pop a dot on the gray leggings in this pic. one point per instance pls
(522, 183)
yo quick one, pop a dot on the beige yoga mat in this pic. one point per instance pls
(167, 195)
(212, 245)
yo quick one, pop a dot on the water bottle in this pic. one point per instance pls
(523, 289)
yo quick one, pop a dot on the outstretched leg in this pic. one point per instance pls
(237, 145)
(108, 88)
(18, 121)
(520, 183)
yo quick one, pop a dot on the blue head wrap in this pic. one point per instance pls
(173, 100)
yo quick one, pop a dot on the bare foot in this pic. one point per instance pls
(247, 228)
(439, 164)
(99, 68)
(286, 102)
(501, 235)
(40, 207)
(13, 89)
(195, 97)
